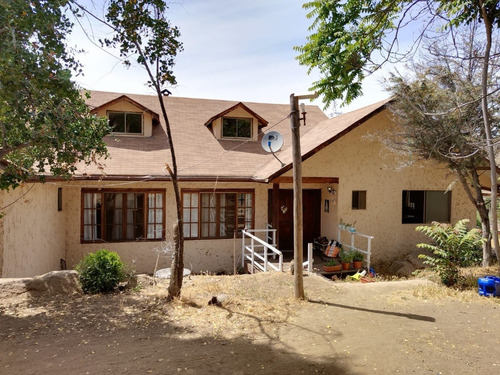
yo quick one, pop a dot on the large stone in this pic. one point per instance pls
(406, 270)
(395, 266)
(415, 260)
(55, 282)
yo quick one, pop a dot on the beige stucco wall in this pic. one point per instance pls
(200, 255)
(33, 231)
(237, 112)
(364, 164)
(125, 106)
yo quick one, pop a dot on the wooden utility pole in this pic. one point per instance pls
(298, 255)
(297, 194)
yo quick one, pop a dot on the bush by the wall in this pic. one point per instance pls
(100, 272)
(453, 247)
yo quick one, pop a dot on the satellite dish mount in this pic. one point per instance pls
(273, 142)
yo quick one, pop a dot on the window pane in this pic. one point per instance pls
(159, 200)
(185, 230)
(437, 206)
(117, 121)
(134, 123)
(159, 217)
(159, 231)
(413, 206)
(186, 217)
(186, 200)
(194, 230)
(244, 128)
(194, 214)
(204, 229)
(194, 200)
(229, 127)
(88, 200)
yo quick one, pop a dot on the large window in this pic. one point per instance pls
(123, 215)
(125, 122)
(236, 127)
(423, 206)
(216, 214)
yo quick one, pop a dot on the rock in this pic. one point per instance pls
(55, 282)
(415, 260)
(406, 270)
(219, 300)
(395, 266)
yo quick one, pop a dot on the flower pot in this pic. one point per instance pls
(357, 264)
(336, 268)
(346, 266)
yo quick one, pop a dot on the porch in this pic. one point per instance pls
(260, 254)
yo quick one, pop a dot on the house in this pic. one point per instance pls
(228, 182)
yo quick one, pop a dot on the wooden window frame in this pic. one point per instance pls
(236, 118)
(125, 114)
(217, 207)
(424, 213)
(102, 225)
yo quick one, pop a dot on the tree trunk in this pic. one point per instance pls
(477, 200)
(487, 128)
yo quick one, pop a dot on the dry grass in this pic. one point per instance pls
(253, 302)
(468, 291)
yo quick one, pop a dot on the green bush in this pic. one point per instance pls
(100, 272)
(454, 247)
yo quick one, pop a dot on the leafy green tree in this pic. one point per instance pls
(141, 30)
(452, 247)
(45, 126)
(438, 115)
(352, 38)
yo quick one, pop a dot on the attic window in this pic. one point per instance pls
(236, 127)
(125, 122)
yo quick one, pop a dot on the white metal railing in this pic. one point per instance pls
(258, 250)
(353, 234)
(310, 258)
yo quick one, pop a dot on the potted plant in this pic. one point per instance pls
(332, 266)
(346, 259)
(357, 259)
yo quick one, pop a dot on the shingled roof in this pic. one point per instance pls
(200, 155)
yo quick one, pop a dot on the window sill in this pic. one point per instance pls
(87, 242)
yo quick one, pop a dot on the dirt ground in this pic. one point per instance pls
(400, 327)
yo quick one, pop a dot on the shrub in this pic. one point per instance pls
(454, 247)
(100, 272)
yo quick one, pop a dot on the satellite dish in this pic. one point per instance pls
(272, 142)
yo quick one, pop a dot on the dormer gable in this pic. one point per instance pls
(128, 117)
(237, 123)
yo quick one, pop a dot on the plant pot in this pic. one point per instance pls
(336, 268)
(346, 266)
(357, 264)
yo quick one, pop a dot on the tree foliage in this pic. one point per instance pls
(45, 126)
(452, 247)
(352, 38)
(438, 114)
(141, 29)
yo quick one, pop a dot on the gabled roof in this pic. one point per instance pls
(262, 122)
(200, 155)
(125, 98)
(320, 136)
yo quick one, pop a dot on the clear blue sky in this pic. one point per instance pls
(235, 50)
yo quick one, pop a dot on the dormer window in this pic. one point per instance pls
(236, 127)
(126, 122)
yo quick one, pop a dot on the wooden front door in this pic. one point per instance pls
(311, 207)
